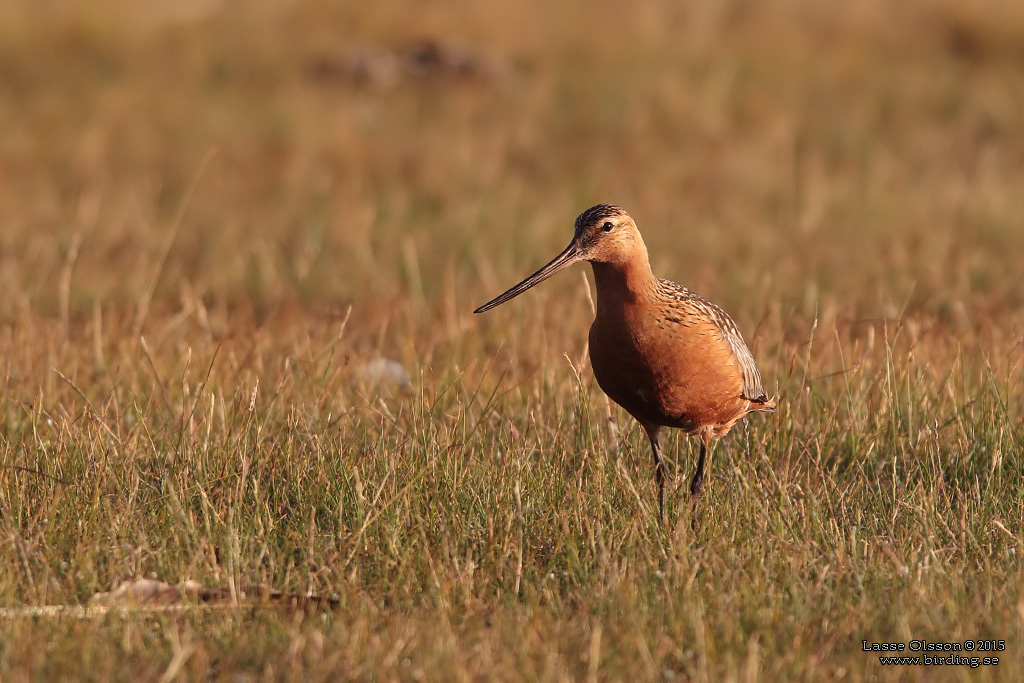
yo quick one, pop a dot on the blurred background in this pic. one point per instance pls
(226, 162)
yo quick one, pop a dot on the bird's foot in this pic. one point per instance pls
(697, 486)
(696, 493)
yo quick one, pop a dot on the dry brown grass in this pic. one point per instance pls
(193, 218)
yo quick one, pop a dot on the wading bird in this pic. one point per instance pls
(669, 357)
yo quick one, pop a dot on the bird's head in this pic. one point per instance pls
(604, 234)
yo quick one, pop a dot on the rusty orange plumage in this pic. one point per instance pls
(667, 356)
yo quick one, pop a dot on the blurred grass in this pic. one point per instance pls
(192, 219)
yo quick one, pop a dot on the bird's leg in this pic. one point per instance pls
(659, 472)
(697, 484)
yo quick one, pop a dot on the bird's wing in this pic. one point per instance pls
(752, 388)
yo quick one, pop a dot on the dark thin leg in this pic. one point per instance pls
(659, 473)
(697, 485)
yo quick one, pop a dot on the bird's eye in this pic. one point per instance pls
(608, 225)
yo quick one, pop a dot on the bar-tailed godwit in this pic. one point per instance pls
(669, 357)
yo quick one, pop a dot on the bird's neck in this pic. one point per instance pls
(624, 283)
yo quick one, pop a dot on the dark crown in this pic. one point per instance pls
(598, 213)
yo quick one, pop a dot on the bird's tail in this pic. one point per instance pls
(764, 405)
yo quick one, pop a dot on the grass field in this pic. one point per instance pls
(208, 237)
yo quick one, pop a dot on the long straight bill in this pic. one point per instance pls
(566, 258)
